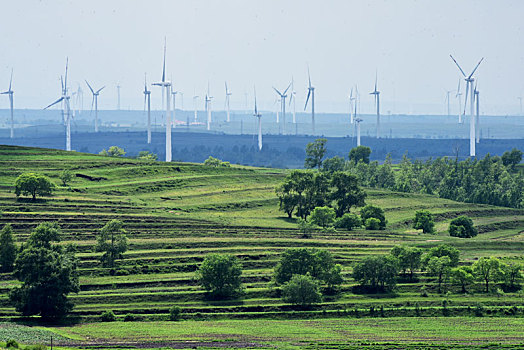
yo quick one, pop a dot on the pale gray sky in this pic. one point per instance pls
(265, 43)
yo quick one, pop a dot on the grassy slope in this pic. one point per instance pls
(176, 213)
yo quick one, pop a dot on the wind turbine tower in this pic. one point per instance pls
(208, 108)
(459, 97)
(10, 93)
(118, 91)
(283, 96)
(259, 120)
(376, 94)
(228, 96)
(173, 94)
(164, 84)
(147, 101)
(357, 122)
(293, 99)
(65, 108)
(352, 103)
(95, 102)
(469, 87)
(311, 93)
(195, 98)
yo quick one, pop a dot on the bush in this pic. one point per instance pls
(108, 316)
(146, 155)
(301, 290)
(130, 318)
(215, 162)
(174, 313)
(371, 211)
(372, 224)
(113, 151)
(323, 216)
(424, 220)
(348, 221)
(220, 274)
(462, 227)
(11, 343)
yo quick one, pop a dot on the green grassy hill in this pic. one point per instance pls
(177, 213)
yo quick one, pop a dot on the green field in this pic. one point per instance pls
(177, 213)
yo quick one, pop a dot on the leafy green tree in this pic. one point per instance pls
(301, 290)
(462, 227)
(441, 268)
(323, 216)
(315, 152)
(409, 259)
(112, 241)
(360, 154)
(424, 220)
(443, 250)
(33, 184)
(372, 224)
(146, 155)
(302, 191)
(7, 249)
(48, 273)
(113, 151)
(333, 164)
(306, 227)
(348, 221)
(345, 192)
(376, 272)
(512, 158)
(302, 261)
(462, 276)
(215, 162)
(488, 270)
(372, 211)
(220, 275)
(512, 276)
(66, 176)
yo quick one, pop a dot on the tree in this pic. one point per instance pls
(512, 276)
(462, 276)
(315, 152)
(113, 151)
(306, 227)
(424, 220)
(301, 290)
(360, 154)
(348, 221)
(443, 250)
(462, 227)
(48, 273)
(112, 241)
(302, 191)
(345, 192)
(488, 270)
(319, 264)
(323, 216)
(146, 155)
(371, 211)
(7, 249)
(376, 272)
(33, 184)
(66, 176)
(333, 164)
(372, 224)
(439, 267)
(512, 158)
(409, 258)
(220, 275)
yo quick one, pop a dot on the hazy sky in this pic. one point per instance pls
(266, 43)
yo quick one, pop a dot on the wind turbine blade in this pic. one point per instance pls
(54, 103)
(278, 92)
(376, 79)
(90, 88)
(464, 74)
(478, 64)
(308, 76)
(255, 94)
(102, 88)
(466, 98)
(351, 94)
(65, 80)
(287, 89)
(164, 65)
(11, 80)
(307, 99)
(458, 89)
(225, 83)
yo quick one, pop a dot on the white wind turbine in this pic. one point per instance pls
(118, 91)
(95, 102)
(293, 98)
(352, 104)
(208, 107)
(228, 96)
(164, 84)
(458, 95)
(65, 108)
(259, 120)
(376, 94)
(195, 98)
(283, 96)
(469, 87)
(357, 123)
(147, 101)
(10, 93)
(311, 92)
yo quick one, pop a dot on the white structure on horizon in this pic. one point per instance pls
(376, 94)
(95, 102)
(208, 107)
(311, 93)
(66, 113)
(458, 95)
(283, 96)
(259, 120)
(164, 84)
(357, 122)
(147, 102)
(10, 92)
(228, 96)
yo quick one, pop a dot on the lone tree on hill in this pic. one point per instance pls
(315, 152)
(48, 273)
(220, 275)
(112, 241)
(33, 184)
(424, 220)
(462, 227)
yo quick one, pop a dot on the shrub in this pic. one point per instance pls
(301, 290)
(348, 221)
(323, 216)
(371, 211)
(108, 316)
(129, 318)
(220, 274)
(372, 224)
(146, 155)
(215, 162)
(174, 313)
(462, 227)
(11, 343)
(424, 220)
(113, 151)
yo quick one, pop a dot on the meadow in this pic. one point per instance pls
(176, 213)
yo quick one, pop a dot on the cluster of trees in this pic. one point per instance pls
(371, 216)
(215, 162)
(113, 151)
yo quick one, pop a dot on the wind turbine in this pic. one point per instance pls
(259, 120)
(208, 107)
(228, 95)
(95, 102)
(357, 122)
(311, 92)
(293, 99)
(283, 96)
(164, 84)
(10, 92)
(469, 87)
(118, 90)
(195, 98)
(65, 108)
(352, 103)
(173, 94)
(459, 96)
(376, 94)
(147, 100)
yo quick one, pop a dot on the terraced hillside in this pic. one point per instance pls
(177, 213)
